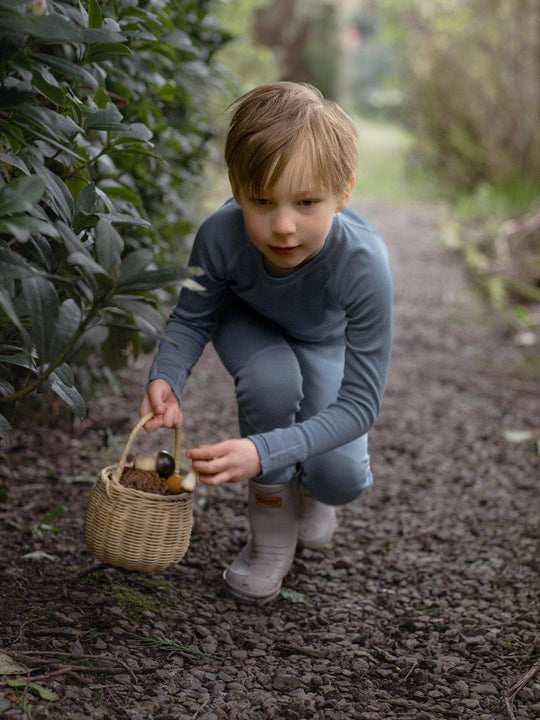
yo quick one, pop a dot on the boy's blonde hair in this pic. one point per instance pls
(275, 123)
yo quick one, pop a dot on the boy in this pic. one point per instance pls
(298, 304)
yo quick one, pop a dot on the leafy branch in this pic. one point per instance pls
(98, 153)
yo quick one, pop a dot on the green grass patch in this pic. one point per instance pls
(160, 642)
(496, 203)
(385, 171)
(135, 594)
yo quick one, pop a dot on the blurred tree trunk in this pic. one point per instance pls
(282, 25)
(305, 37)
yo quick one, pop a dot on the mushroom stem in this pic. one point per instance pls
(188, 483)
(145, 463)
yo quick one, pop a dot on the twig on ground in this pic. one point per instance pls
(411, 704)
(411, 670)
(519, 684)
(92, 569)
(74, 669)
(205, 703)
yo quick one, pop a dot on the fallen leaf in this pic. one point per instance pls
(43, 692)
(38, 555)
(294, 596)
(8, 666)
(519, 436)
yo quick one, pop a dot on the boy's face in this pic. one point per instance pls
(289, 223)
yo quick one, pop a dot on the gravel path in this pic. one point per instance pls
(426, 606)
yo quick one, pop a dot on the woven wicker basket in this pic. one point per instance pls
(133, 529)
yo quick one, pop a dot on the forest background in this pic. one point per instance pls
(111, 126)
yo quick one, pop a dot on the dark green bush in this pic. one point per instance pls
(103, 132)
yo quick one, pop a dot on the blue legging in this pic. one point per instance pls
(279, 381)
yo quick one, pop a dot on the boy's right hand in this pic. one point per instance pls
(160, 399)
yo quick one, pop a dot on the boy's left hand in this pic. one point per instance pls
(226, 462)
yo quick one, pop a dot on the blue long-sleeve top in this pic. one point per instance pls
(346, 289)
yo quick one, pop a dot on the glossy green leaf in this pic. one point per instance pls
(121, 192)
(51, 121)
(134, 131)
(49, 144)
(134, 263)
(6, 388)
(108, 119)
(153, 279)
(67, 324)
(14, 161)
(23, 226)
(107, 51)
(181, 41)
(65, 374)
(65, 67)
(43, 306)
(39, 249)
(82, 221)
(95, 18)
(14, 265)
(86, 263)
(53, 29)
(13, 5)
(122, 220)
(57, 192)
(101, 98)
(41, 80)
(21, 195)
(71, 241)
(109, 244)
(86, 200)
(7, 306)
(139, 309)
(19, 359)
(69, 395)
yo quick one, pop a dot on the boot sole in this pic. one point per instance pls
(237, 595)
(315, 545)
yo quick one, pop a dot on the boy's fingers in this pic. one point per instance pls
(152, 425)
(156, 403)
(203, 452)
(213, 480)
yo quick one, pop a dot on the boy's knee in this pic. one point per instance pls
(269, 385)
(337, 479)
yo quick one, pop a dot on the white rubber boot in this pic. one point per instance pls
(317, 521)
(259, 569)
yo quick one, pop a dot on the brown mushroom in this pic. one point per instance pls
(162, 463)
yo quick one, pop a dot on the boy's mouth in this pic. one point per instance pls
(278, 250)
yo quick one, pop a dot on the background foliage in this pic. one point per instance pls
(103, 132)
(473, 98)
(469, 73)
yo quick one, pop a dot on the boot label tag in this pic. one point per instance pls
(273, 502)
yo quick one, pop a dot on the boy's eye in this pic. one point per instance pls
(261, 201)
(307, 203)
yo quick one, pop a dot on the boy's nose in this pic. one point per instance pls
(283, 223)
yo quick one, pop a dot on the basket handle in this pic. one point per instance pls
(123, 458)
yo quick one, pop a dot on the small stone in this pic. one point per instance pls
(484, 689)
(461, 687)
(286, 683)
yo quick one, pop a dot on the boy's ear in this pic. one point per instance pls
(346, 197)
